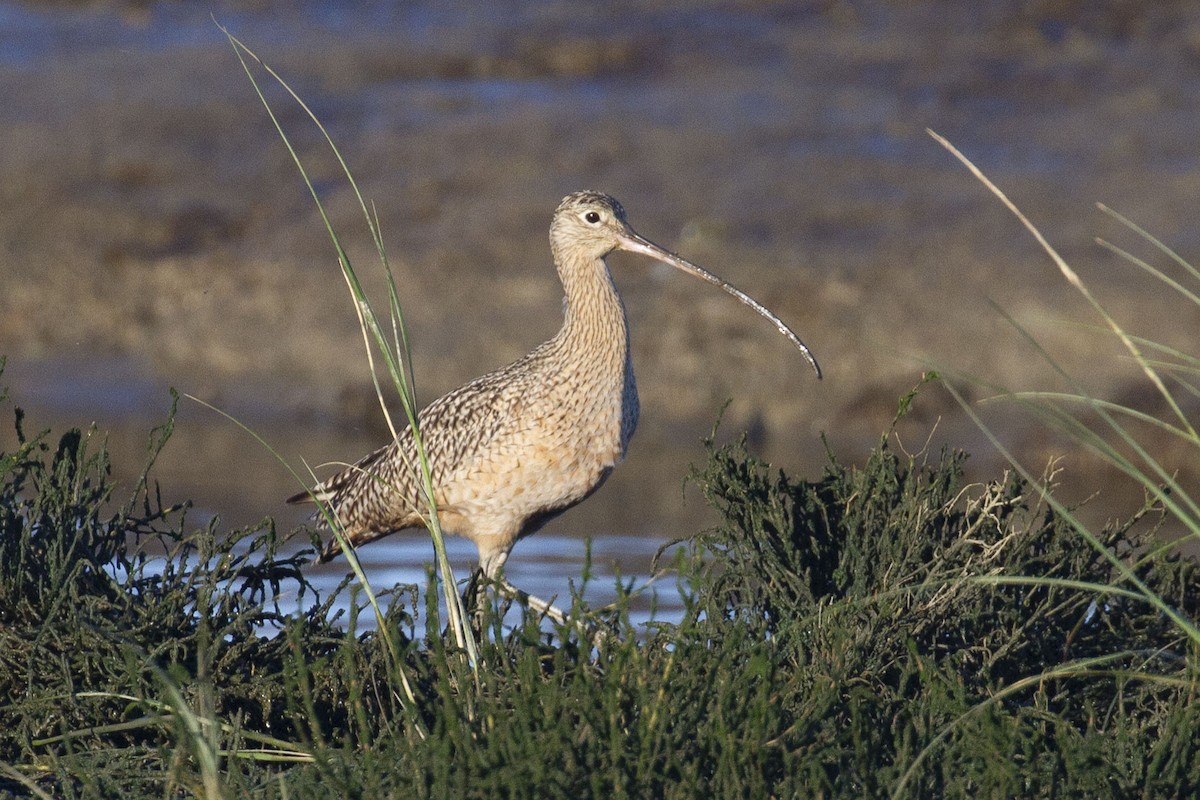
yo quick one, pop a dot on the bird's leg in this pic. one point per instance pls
(521, 596)
(505, 605)
(474, 596)
(475, 600)
(597, 636)
(473, 589)
(491, 562)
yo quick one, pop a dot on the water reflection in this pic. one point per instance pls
(546, 565)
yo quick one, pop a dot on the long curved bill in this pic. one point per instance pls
(635, 243)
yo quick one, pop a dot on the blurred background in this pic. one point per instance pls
(154, 232)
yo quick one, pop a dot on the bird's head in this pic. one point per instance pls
(588, 225)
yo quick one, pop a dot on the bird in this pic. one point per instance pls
(515, 448)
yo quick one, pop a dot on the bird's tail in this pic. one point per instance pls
(335, 491)
(321, 493)
(330, 490)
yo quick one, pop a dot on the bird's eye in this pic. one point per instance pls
(592, 217)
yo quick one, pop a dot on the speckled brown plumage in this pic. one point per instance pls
(512, 449)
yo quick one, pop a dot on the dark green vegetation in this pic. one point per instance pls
(845, 637)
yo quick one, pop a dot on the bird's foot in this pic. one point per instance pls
(598, 636)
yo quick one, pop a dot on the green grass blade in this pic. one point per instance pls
(1185, 625)
(348, 551)
(1066, 270)
(1161, 474)
(1186, 293)
(1183, 262)
(16, 775)
(394, 360)
(1075, 669)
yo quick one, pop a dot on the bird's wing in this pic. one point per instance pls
(455, 429)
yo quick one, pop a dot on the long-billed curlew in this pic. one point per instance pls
(518, 446)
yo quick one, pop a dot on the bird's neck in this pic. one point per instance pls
(594, 316)
(596, 363)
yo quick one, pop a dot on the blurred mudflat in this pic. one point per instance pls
(154, 233)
